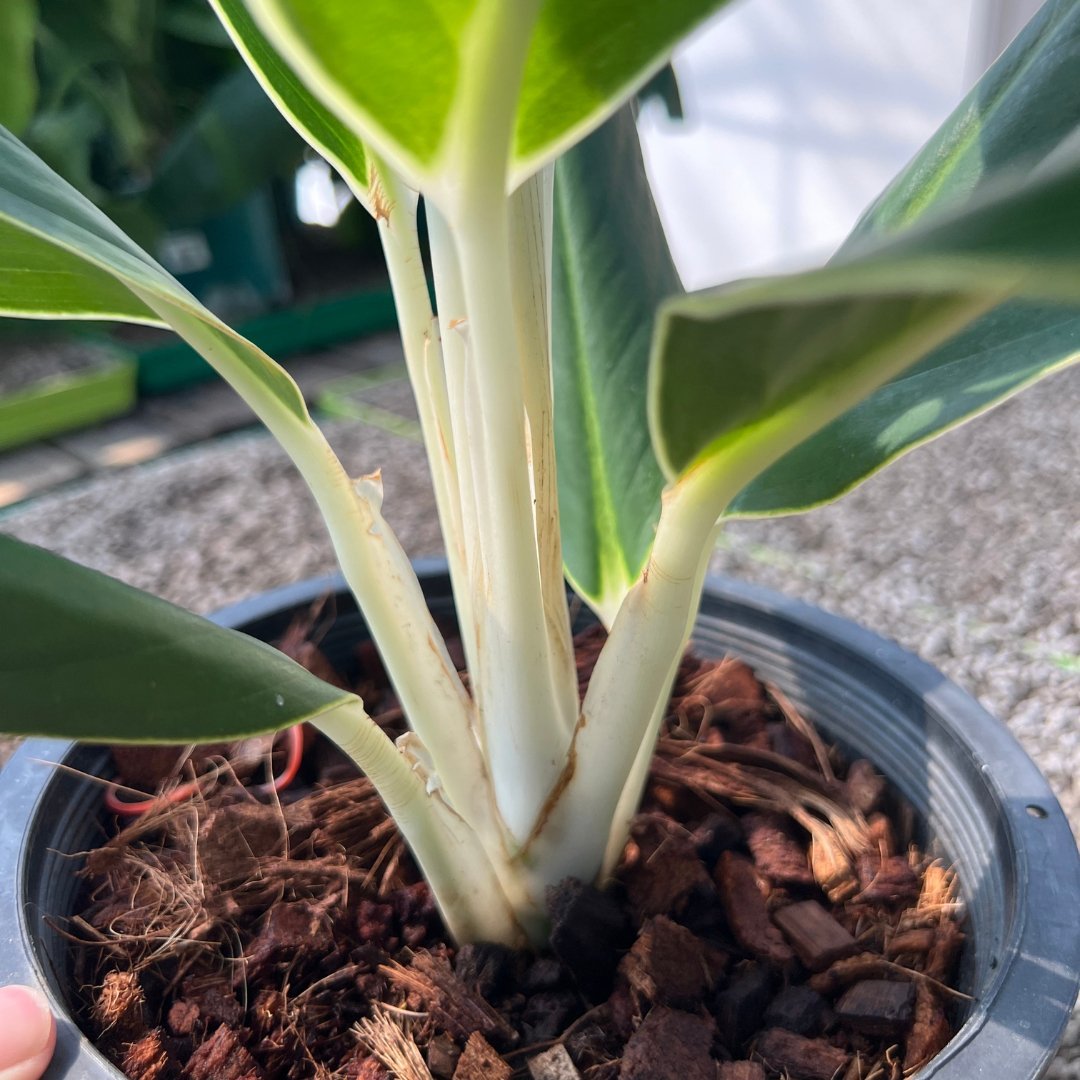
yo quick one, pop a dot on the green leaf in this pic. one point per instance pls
(611, 268)
(390, 71)
(1018, 113)
(74, 263)
(316, 124)
(585, 59)
(988, 207)
(427, 86)
(18, 80)
(1006, 350)
(94, 659)
(742, 376)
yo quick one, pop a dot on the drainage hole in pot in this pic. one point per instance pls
(1036, 811)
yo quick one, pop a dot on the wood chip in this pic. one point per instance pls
(808, 1059)
(930, 1030)
(852, 970)
(865, 787)
(746, 912)
(147, 1058)
(456, 1008)
(817, 937)
(667, 964)
(670, 1045)
(480, 1062)
(777, 854)
(740, 1070)
(222, 1057)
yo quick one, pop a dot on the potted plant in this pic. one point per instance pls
(763, 397)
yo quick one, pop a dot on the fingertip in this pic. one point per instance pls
(27, 1033)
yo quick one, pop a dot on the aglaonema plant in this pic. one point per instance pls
(559, 336)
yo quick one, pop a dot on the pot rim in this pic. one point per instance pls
(1042, 938)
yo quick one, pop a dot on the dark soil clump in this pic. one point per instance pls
(771, 917)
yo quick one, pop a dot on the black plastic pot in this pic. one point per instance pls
(985, 805)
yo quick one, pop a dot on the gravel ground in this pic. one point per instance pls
(965, 552)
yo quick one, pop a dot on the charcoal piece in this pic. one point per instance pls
(544, 973)
(485, 967)
(546, 1015)
(703, 914)
(786, 1053)
(589, 932)
(717, 833)
(798, 1009)
(670, 1045)
(817, 937)
(740, 1005)
(877, 1007)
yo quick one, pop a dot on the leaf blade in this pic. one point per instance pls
(1013, 240)
(611, 267)
(584, 61)
(113, 663)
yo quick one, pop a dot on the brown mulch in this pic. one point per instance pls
(771, 917)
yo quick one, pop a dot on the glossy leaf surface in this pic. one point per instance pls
(611, 269)
(988, 209)
(424, 84)
(94, 659)
(1024, 109)
(65, 259)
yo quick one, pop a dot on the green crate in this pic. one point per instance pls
(67, 402)
(169, 367)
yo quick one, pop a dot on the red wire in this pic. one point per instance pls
(294, 755)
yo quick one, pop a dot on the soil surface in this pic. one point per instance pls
(771, 916)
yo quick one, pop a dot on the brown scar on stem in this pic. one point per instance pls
(556, 791)
(381, 206)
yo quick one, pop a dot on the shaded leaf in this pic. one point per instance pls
(585, 59)
(95, 659)
(743, 375)
(611, 268)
